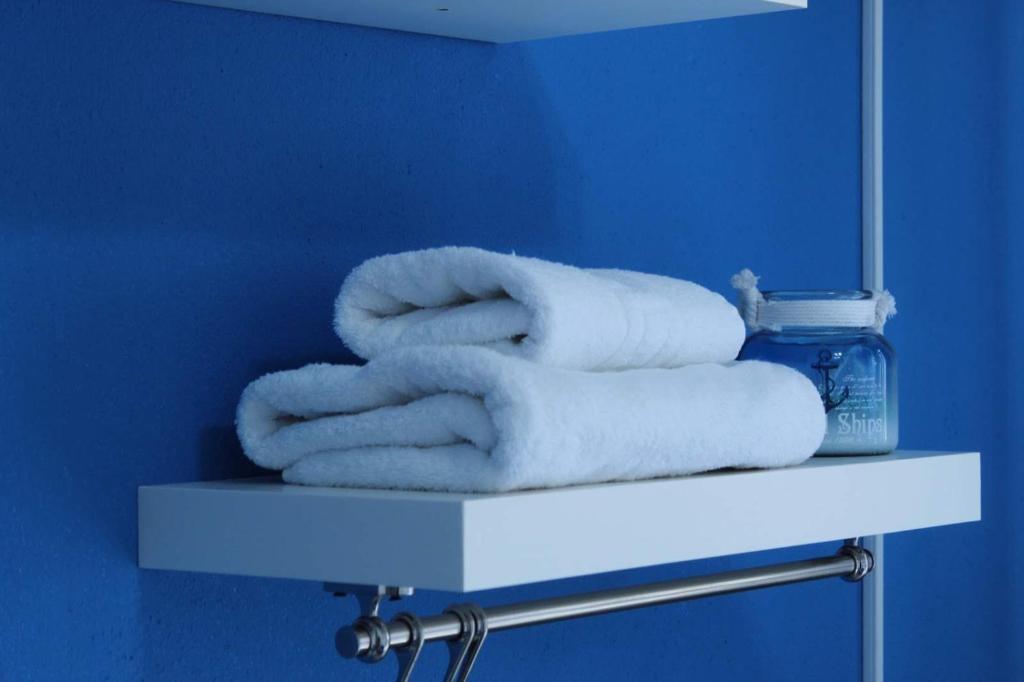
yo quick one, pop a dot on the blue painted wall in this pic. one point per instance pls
(183, 189)
(952, 593)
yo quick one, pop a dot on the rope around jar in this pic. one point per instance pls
(760, 313)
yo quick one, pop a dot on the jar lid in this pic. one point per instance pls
(777, 309)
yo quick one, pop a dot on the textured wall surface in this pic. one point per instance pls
(182, 190)
(946, 262)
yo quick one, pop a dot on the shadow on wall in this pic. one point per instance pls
(182, 191)
(273, 129)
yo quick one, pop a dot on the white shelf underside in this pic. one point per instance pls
(500, 21)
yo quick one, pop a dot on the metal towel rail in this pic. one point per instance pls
(465, 626)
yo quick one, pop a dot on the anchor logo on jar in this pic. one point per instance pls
(827, 385)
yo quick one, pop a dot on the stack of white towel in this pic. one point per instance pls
(491, 372)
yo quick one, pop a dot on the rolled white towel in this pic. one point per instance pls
(470, 419)
(552, 314)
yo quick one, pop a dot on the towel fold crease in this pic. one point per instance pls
(552, 314)
(471, 419)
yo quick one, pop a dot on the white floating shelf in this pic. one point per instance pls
(502, 21)
(462, 542)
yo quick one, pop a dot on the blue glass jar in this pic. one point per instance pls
(830, 337)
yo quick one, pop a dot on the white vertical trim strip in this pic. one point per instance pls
(873, 592)
(871, 144)
(872, 614)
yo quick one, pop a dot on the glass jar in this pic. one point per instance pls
(829, 336)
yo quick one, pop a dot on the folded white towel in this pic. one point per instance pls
(470, 419)
(552, 314)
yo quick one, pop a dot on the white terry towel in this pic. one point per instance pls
(553, 314)
(469, 419)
